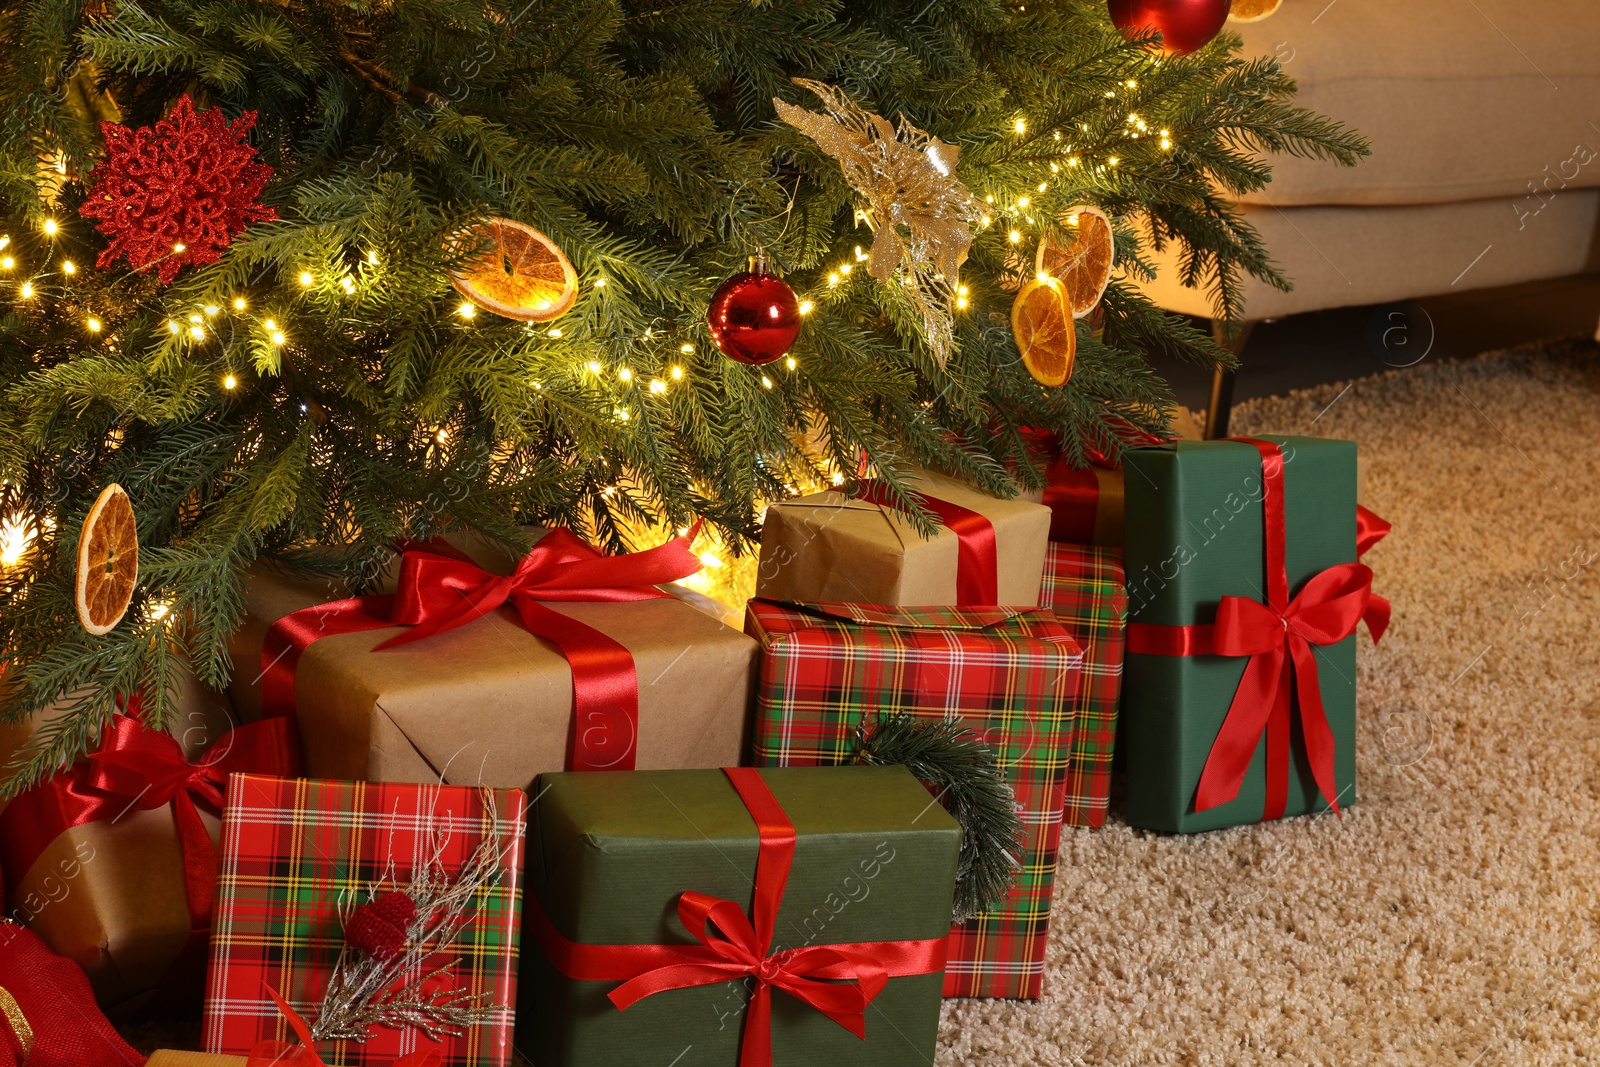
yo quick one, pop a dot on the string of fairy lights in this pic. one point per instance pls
(1017, 216)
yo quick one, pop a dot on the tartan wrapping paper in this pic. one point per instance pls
(1087, 589)
(1009, 673)
(291, 849)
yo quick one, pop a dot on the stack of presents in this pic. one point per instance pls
(547, 804)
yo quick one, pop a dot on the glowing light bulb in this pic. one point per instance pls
(961, 302)
(657, 385)
(599, 283)
(238, 303)
(837, 478)
(27, 290)
(625, 374)
(305, 277)
(50, 227)
(442, 436)
(1044, 185)
(806, 307)
(1021, 126)
(1016, 236)
(278, 338)
(790, 363)
(554, 331)
(622, 414)
(467, 311)
(710, 560)
(372, 258)
(686, 349)
(7, 263)
(94, 325)
(230, 382)
(833, 279)
(766, 383)
(179, 249)
(68, 267)
(194, 318)
(211, 309)
(173, 328)
(846, 268)
(270, 324)
(594, 366)
(197, 332)
(677, 374)
(5, 242)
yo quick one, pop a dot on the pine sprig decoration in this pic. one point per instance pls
(966, 778)
(389, 982)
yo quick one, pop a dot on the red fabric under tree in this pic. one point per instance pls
(189, 182)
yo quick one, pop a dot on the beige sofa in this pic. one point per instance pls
(1484, 117)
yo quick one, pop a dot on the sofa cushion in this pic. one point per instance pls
(1345, 256)
(1462, 99)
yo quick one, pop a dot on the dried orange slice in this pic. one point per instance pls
(108, 561)
(521, 274)
(1044, 331)
(1083, 265)
(1252, 10)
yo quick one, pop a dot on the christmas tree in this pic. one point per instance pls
(236, 237)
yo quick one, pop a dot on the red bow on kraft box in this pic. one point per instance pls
(441, 589)
(1277, 636)
(137, 768)
(840, 981)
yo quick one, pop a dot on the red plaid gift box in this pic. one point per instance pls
(1088, 590)
(299, 854)
(1009, 673)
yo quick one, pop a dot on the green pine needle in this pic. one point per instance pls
(966, 778)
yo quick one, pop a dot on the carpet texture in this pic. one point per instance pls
(1450, 918)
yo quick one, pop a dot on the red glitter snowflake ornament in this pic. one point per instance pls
(177, 192)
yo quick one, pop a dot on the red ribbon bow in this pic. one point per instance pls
(273, 1053)
(977, 565)
(837, 980)
(1277, 636)
(440, 589)
(138, 768)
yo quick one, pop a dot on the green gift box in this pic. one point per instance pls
(1242, 577)
(624, 867)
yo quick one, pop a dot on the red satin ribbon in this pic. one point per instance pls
(139, 768)
(977, 565)
(1073, 496)
(440, 590)
(837, 980)
(1277, 636)
(273, 1053)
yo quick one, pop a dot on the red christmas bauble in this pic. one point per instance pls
(379, 927)
(1184, 24)
(754, 317)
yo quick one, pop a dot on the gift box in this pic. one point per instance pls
(301, 855)
(1087, 590)
(481, 669)
(1239, 698)
(785, 917)
(1010, 675)
(827, 547)
(113, 860)
(166, 1057)
(48, 1016)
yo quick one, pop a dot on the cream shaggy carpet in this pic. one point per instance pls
(1450, 918)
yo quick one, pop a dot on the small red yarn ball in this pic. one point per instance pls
(379, 926)
(1185, 25)
(754, 317)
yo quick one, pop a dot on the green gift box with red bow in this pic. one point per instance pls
(736, 918)
(1245, 594)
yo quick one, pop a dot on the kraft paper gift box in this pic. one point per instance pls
(94, 859)
(298, 857)
(827, 547)
(1242, 574)
(1086, 587)
(489, 702)
(1010, 675)
(166, 1057)
(811, 877)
